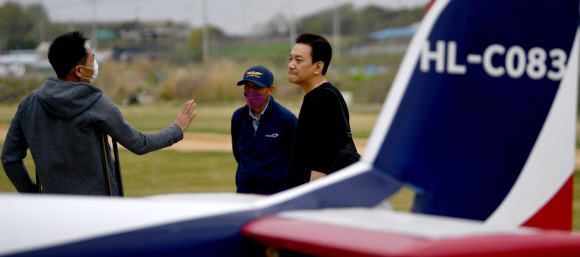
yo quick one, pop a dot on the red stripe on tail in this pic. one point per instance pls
(427, 9)
(557, 213)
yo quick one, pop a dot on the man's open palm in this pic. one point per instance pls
(184, 118)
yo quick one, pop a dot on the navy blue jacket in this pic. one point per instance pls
(263, 156)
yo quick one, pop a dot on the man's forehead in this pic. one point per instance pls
(302, 50)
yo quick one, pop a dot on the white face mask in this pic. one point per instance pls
(95, 71)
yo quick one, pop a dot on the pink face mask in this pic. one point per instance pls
(254, 99)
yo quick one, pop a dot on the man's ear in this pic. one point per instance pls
(319, 66)
(76, 71)
(271, 88)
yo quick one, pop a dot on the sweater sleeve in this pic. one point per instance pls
(13, 152)
(108, 117)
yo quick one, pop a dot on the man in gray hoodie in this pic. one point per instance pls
(61, 121)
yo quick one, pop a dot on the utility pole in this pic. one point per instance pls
(292, 24)
(336, 28)
(95, 40)
(244, 28)
(71, 27)
(188, 16)
(41, 31)
(205, 33)
(137, 30)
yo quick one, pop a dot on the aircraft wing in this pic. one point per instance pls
(52, 225)
(380, 232)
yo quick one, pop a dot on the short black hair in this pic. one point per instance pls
(67, 51)
(321, 49)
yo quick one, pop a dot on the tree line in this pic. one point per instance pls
(24, 27)
(21, 28)
(353, 22)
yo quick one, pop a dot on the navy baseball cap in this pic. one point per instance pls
(259, 75)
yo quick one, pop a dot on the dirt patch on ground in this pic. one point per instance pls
(3, 131)
(223, 143)
(214, 142)
(190, 142)
(202, 142)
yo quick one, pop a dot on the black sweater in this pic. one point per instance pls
(320, 134)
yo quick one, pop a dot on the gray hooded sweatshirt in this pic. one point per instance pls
(60, 123)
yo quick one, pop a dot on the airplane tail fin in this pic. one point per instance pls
(481, 118)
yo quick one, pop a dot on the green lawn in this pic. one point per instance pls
(271, 52)
(163, 172)
(167, 171)
(211, 117)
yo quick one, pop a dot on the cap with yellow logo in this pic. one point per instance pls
(259, 75)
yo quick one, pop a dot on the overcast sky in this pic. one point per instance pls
(234, 17)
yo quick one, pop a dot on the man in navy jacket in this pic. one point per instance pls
(262, 136)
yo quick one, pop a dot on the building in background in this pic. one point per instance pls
(390, 40)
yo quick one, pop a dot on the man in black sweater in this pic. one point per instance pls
(321, 129)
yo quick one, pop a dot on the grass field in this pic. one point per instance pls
(172, 171)
(163, 172)
(169, 171)
(211, 117)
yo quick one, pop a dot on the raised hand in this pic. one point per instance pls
(184, 118)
